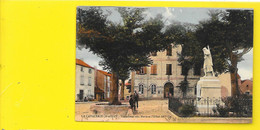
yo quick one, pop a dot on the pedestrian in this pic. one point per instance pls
(136, 97)
(131, 102)
(85, 99)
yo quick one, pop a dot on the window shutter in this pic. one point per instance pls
(155, 69)
(82, 80)
(145, 70)
(169, 51)
(168, 69)
(152, 70)
(170, 66)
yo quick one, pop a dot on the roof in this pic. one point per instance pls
(80, 62)
(247, 80)
(238, 76)
(105, 73)
(127, 84)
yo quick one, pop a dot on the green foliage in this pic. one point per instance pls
(187, 110)
(190, 55)
(122, 47)
(241, 106)
(184, 85)
(223, 111)
(230, 35)
(226, 33)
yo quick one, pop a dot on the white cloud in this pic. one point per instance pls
(245, 67)
(245, 74)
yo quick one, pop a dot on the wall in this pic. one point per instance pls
(88, 90)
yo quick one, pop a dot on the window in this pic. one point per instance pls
(153, 88)
(195, 90)
(153, 69)
(81, 69)
(105, 81)
(82, 80)
(89, 71)
(142, 71)
(169, 51)
(108, 90)
(154, 53)
(141, 88)
(81, 93)
(89, 81)
(168, 69)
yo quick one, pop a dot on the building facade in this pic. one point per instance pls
(85, 76)
(160, 80)
(102, 85)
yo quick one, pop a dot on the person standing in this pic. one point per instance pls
(136, 97)
(131, 102)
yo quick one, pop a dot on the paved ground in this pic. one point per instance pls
(151, 111)
(148, 111)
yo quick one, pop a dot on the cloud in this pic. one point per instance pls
(245, 67)
(88, 57)
(245, 74)
(168, 15)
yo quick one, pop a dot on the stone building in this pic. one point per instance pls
(85, 75)
(102, 85)
(160, 80)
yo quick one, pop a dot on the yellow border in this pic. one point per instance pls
(37, 61)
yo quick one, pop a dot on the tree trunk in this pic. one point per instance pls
(114, 90)
(185, 89)
(234, 76)
(132, 82)
(122, 90)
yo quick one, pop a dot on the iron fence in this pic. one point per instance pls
(229, 106)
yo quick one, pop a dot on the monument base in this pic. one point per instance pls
(208, 94)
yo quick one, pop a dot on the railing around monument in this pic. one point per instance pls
(233, 106)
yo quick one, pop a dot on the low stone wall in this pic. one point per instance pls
(105, 109)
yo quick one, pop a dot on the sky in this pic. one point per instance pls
(184, 15)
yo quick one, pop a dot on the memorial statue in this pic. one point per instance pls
(208, 65)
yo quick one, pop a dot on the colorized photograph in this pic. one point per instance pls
(164, 64)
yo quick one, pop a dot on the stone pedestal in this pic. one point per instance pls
(209, 87)
(208, 94)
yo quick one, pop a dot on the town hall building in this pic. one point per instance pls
(160, 80)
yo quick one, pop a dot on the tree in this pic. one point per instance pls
(122, 47)
(190, 56)
(230, 35)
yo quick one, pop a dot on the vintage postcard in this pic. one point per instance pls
(164, 64)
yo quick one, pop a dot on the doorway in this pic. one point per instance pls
(168, 90)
